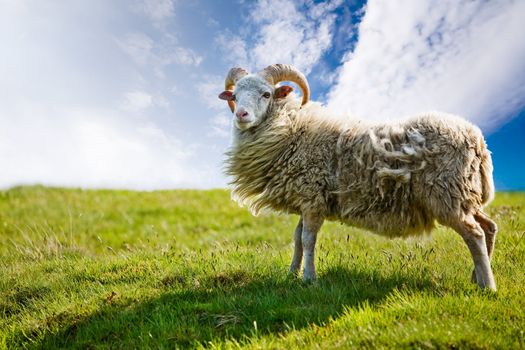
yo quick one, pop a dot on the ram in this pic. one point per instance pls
(394, 179)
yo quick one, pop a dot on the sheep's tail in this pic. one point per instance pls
(487, 181)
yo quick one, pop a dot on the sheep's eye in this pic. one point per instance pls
(266, 95)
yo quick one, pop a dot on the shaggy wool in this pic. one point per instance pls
(395, 179)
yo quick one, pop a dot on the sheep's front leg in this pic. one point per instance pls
(311, 225)
(298, 249)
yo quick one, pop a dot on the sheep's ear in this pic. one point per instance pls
(226, 95)
(283, 91)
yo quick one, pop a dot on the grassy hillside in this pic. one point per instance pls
(170, 269)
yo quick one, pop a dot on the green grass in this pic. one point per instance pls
(177, 269)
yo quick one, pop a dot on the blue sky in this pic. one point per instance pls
(123, 94)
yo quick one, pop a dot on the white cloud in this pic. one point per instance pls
(281, 32)
(93, 148)
(184, 56)
(221, 125)
(323, 8)
(138, 46)
(233, 48)
(289, 35)
(156, 10)
(79, 107)
(463, 57)
(136, 100)
(161, 48)
(209, 89)
(157, 54)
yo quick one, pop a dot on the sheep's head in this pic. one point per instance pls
(249, 95)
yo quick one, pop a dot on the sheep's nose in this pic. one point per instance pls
(241, 114)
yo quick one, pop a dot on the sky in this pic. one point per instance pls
(123, 94)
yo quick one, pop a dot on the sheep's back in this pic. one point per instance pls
(455, 157)
(396, 179)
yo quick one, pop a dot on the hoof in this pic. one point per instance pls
(309, 278)
(491, 289)
(293, 273)
(490, 286)
(294, 270)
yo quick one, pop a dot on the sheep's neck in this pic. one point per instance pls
(251, 159)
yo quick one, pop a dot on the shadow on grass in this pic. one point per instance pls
(229, 306)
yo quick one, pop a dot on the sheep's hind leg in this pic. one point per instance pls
(474, 237)
(311, 225)
(490, 229)
(298, 249)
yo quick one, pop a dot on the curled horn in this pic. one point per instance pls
(284, 72)
(231, 79)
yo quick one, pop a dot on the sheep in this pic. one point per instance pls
(394, 179)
